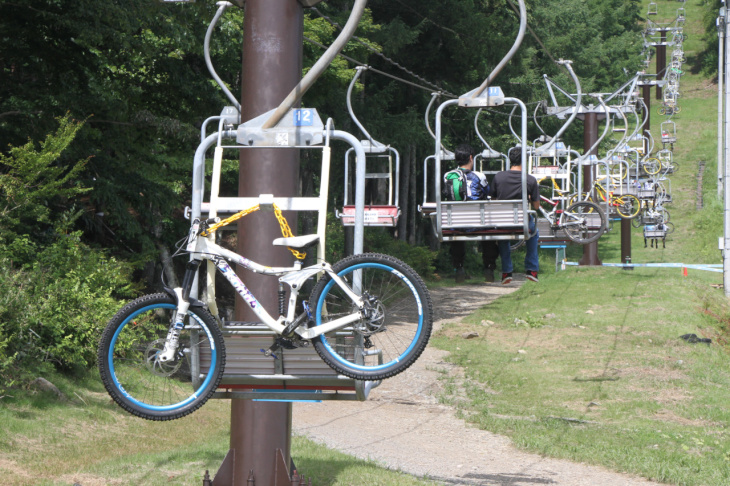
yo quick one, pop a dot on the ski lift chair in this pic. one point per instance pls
(388, 212)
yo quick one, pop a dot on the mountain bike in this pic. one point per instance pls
(369, 317)
(583, 222)
(627, 206)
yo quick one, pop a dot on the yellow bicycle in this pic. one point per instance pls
(627, 206)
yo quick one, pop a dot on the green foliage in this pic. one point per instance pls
(380, 240)
(53, 310)
(419, 258)
(57, 291)
(33, 188)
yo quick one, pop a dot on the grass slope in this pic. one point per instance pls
(588, 364)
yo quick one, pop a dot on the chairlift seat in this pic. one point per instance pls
(295, 374)
(652, 232)
(482, 220)
(549, 236)
(543, 171)
(645, 193)
(648, 220)
(374, 215)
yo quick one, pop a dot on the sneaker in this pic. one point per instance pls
(531, 276)
(489, 275)
(460, 275)
(506, 278)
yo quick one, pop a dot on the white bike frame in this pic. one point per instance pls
(201, 248)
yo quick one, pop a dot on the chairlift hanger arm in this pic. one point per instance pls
(222, 6)
(476, 127)
(511, 128)
(518, 41)
(578, 99)
(605, 130)
(320, 66)
(434, 96)
(359, 70)
(626, 131)
(537, 123)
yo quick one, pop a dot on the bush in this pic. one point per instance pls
(53, 310)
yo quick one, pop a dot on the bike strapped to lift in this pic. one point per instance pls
(369, 316)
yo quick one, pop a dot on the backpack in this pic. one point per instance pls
(454, 188)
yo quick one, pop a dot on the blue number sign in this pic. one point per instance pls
(303, 118)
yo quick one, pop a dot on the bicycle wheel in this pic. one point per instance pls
(652, 165)
(628, 206)
(147, 387)
(574, 198)
(397, 324)
(637, 223)
(584, 222)
(677, 109)
(662, 110)
(617, 171)
(670, 227)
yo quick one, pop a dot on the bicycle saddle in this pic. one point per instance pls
(297, 241)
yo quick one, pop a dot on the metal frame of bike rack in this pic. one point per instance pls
(298, 374)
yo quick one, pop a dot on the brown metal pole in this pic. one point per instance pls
(645, 129)
(272, 67)
(590, 136)
(661, 63)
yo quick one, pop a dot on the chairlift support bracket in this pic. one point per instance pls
(492, 96)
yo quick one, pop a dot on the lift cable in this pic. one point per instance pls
(386, 58)
(534, 35)
(377, 71)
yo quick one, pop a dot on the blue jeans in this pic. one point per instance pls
(531, 262)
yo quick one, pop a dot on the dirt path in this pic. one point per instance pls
(402, 425)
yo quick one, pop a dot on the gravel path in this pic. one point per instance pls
(402, 426)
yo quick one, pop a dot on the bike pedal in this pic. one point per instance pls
(269, 352)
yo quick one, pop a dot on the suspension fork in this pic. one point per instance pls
(183, 304)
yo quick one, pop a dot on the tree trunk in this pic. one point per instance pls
(167, 266)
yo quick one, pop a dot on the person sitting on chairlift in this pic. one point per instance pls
(507, 185)
(465, 184)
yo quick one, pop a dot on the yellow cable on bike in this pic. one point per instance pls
(285, 229)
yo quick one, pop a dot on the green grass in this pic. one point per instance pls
(594, 370)
(87, 439)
